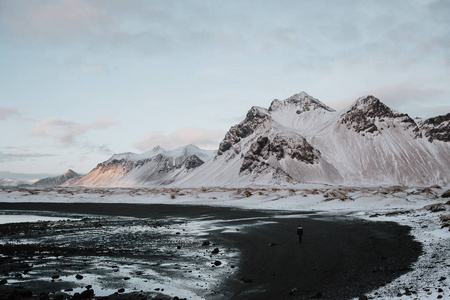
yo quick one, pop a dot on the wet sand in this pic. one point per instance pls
(339, 257)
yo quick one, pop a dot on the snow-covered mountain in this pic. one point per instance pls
(57, 180)
(302, 140)
(155, 167)
(14, 182)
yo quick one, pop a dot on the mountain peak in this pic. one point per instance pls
(302, 101)
(372, 106)
(69, 172)
(191, 147)
(57, 180)
(301, 95)
(367, 113)
(158, 149)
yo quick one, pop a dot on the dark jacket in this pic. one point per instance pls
(300, 230)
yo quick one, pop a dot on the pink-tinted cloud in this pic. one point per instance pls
(66, 132)
(203, 138)
(6, 113)
(54, 20)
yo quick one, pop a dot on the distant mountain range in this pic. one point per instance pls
(7, 182)
(298, 140)
(155, 167)
(44, 182)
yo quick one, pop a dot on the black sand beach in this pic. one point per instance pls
(339, 257)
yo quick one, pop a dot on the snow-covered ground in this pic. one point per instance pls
(423, 209)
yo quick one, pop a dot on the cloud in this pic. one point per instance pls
(54, 20)
(6, 113)
(66, 132)
(103, 149)
(413, 98)
(21, 156)
(409, 97)
(203, 138)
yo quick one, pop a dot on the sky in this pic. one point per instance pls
(82, 80)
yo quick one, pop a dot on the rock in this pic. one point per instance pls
(206, 243)
(126, 278)
(254, 118)
(58, 297)
(76, 296)
(245, 280)
(369, 111)
(363, 297)
(79, 277)
(3, 282)
(278, 147)
(121, 290)
(217, 263)
(442, 278)
(437, 128)
(178, 247)
(215, 251)
(435, 207)
(292, 292)
(87, 294)
(44, 296)
(446, 194)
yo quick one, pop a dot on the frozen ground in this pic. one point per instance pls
(423, 209)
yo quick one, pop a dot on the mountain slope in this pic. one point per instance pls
(155, 167)
(57, 180)
(302, 140)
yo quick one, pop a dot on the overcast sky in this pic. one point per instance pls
(82, 80)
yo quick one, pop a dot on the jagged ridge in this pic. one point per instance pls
(154, 167)
(368, 143)
(367, 111)
(437, 128)
(57, 180)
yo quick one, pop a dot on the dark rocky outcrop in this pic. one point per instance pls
(367, 111)
(437, 128)
(193, 162)
(280, 147)
(255, 118)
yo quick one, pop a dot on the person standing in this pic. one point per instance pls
(299, 233)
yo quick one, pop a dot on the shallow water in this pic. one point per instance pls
(155, 247)
(5, 219)
(164, 256)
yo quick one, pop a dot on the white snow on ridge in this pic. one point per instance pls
(155, 167)
(296, 141)
(366, 143)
